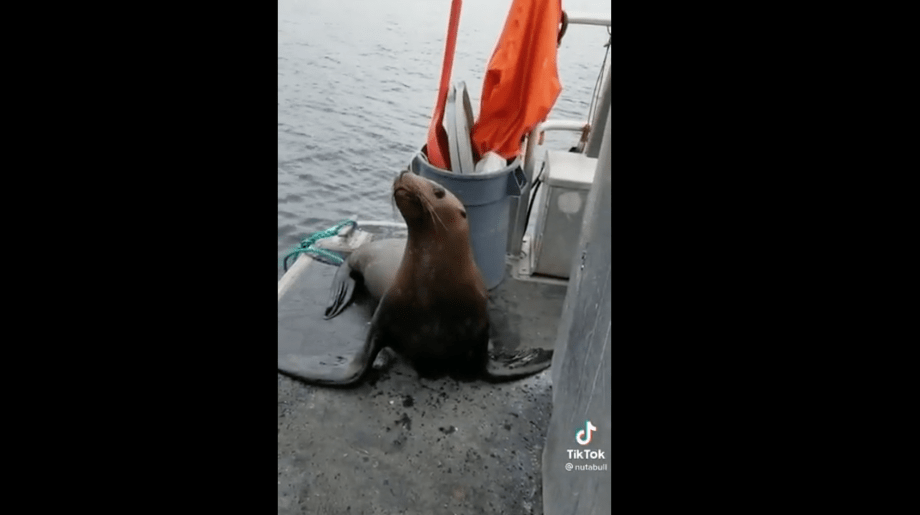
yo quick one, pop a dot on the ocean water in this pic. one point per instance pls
(357, 82)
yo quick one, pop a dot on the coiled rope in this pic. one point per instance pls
(306, 246)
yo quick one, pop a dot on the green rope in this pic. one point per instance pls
(306, 246)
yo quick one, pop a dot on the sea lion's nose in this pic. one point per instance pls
(398, 181)
(399, 177)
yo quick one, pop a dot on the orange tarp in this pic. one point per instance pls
(522, 81)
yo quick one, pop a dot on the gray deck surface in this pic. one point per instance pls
(400, 444)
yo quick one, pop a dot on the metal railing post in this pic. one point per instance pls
(599, 118)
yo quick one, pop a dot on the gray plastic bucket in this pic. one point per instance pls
(487, 199)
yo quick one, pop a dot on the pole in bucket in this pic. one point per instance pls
(438, 152)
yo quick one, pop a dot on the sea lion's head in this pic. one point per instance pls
(426, 204)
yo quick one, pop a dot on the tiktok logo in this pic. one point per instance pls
(583, 437)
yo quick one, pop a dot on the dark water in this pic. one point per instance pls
(357, 81)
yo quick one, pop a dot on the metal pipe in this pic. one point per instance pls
(375, 223)
(517, 209)
(588, 19)
(560, 125)
(600, 118)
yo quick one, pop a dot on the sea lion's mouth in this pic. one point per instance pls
(405, 195)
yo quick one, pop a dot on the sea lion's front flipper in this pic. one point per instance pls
(509, 366)
(343, 288)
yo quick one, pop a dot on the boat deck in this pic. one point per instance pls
(400, 444)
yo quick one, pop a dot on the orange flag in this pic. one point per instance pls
(522, 81)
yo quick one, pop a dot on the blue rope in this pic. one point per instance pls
(306, 246)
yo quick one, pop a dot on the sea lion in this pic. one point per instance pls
(433, 305)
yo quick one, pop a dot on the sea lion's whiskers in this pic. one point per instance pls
(433, 213)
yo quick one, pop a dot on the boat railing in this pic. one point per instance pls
(577, 18)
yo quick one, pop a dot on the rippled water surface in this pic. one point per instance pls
(357, 81)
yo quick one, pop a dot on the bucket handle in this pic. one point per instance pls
(516, 182)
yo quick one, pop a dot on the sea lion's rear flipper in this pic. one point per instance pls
(343, 288)
(326, 371)
(509, 366)
(333, 370)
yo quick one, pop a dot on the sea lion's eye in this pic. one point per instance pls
(463, 213)
(439, 193)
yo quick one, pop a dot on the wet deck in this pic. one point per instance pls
(400, 444)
